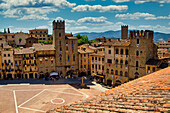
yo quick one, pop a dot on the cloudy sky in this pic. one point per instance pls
(85, 15)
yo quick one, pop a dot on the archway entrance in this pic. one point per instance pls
(26, 76)
(9, 76)
(35, 75)
(19, 75)
(109, 81)
(82, 74)
(117, 83)
(31, 75)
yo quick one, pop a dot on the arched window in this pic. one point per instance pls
(121, 61)
(126, 62)
(117, 51)
(111, 71)
(116, 72)
(117, 61)
(121, 73)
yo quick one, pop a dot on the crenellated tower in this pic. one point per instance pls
(124, 31)
(141, 49)
(59, 43)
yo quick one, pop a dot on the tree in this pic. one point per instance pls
(82, 39)
(79, 36)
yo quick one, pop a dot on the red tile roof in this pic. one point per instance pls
(146, 94)
(38, 30)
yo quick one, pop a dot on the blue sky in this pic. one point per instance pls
(85, 15)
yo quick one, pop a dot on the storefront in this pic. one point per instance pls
(98, 78)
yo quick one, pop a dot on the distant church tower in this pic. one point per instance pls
(59, 43)
(124, 32)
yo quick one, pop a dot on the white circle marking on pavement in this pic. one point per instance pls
(58, 99)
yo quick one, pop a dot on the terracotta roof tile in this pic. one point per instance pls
(146, 94)
(38, 30)
(43, 47)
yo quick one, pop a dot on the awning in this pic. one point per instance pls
(93, 74)
(109, 79)
(53, 73)
(100, 76)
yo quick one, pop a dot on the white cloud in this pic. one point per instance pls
(161, 5)
(25, 8)
(142, 1)
(34, 17)
(163, 17)
(138, 15)
(134, 16)
(94, 20)
(36, 3)
(156, 28)
(99, 8)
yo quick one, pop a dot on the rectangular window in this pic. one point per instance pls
(127, 51)
(109, 61)
(137, 64)
(153, 69)
(73, 57)
(92, 66)
(102, 59)
(148, 68)
(107, 70)
(109, 52)
(137, 41)
(121, 51)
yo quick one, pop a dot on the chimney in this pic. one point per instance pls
(8, 30)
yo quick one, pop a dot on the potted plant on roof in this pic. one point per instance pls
(20, 39)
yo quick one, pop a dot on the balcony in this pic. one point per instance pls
(3, 64)
(45, 55)
(18, 70)
(28, 58)
(32, 64)
(7, 70)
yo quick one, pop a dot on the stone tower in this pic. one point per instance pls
(124, 31)
(59, 43)
(141, 49)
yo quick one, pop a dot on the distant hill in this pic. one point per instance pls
(117, 34)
